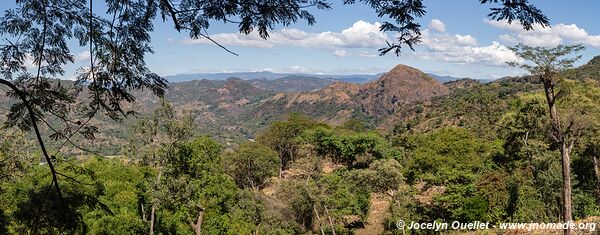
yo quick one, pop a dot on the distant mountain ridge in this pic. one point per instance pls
(266, 75)
(283, 82)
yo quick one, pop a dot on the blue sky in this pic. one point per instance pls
(458, 41)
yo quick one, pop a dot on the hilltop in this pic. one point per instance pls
(400, 86)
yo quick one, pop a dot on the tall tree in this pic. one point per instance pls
(547, 65)
(153, 138)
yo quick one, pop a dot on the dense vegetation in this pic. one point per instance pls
(441, 162)
(300, 175)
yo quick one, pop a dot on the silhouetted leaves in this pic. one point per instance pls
(527, 14)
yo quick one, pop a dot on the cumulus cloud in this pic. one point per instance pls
(437, 25)
(462, 49)
(494, 54)
(362, 38)
(360, 35)
(545, 37)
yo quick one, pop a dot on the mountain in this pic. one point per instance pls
(265, 75)
(222, 76)
(589, 70)
(295, 82)
(292, 83)
(401, 85)
(341, 101)
(211, 100)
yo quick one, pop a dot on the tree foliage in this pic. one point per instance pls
(251, 165)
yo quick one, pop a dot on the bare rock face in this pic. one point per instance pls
(401, 85)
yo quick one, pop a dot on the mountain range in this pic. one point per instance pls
(266, 75)
(292, 82)
(237, 108)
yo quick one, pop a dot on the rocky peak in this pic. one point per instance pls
(401, 85)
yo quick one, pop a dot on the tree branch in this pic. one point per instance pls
(37, 133)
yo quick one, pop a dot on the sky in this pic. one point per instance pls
(458, 40)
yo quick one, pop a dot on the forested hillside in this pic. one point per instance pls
(337, 159)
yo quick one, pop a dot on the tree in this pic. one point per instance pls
(281, 136)
(251, 165)
(592, 150)
(351, 149)
(547, 64)
(524, 129)
(152, 140)
(382, 176)
(198, 187)
(14, 154)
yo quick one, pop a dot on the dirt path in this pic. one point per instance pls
(377, 213)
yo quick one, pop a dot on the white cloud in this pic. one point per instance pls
(437, 25)
(439, 44)
(546, 37)
(360, 35)
(298, 69)
(29, 63)
(345, 53)
(295, 69)
(462, 49)
(465, 40)
(366, 54)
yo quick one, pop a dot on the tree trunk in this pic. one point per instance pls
(198, 225)
(154, 207)
(330, 221)
(565, 151)
(566, 190)
(597, 173)
(143, 212)
(152, 212)
(257, 229)
(318, 219)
